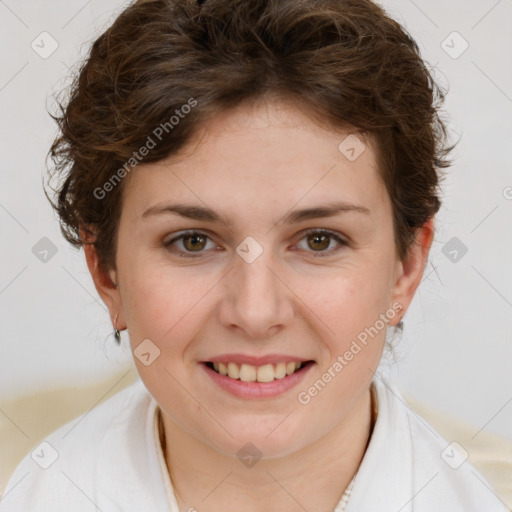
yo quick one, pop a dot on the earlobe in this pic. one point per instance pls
(105, 281)
(410, 271)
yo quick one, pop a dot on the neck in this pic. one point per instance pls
(207, 480)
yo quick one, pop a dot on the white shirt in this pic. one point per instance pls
(111, 460)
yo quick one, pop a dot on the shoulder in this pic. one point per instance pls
(82, 461)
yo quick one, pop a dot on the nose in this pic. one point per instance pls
(256, 300)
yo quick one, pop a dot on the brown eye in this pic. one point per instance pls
(194, 242)
(191, 244)
(318, 241)
(322, 242)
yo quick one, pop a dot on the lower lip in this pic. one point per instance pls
(256, 390)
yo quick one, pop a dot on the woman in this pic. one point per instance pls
(254, 184)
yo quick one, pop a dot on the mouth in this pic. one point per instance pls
(261, 374)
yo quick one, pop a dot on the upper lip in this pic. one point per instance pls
(256, 360)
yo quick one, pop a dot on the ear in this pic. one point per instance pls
(104, 281)
(409, 272)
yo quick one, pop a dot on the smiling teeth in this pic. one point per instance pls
(250, 373)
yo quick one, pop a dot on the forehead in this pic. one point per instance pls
(266, 156)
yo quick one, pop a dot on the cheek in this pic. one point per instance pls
(164, 308)
(349, 297)
(163, 305)
(348, 306)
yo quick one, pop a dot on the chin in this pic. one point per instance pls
(248, 436)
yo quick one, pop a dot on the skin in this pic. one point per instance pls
(253, 165)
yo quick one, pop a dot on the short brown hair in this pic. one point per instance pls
(346, 60)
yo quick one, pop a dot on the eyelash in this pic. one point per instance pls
(315, 254)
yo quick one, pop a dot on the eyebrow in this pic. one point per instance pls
(292, 217)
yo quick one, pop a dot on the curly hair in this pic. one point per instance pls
(164, 67)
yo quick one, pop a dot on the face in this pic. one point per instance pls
(261, 246)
